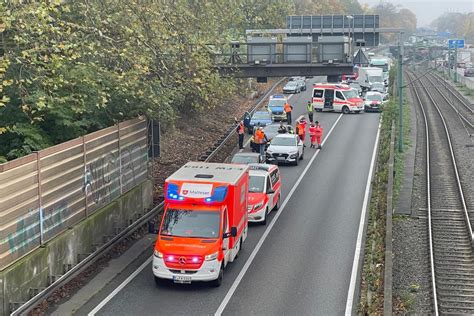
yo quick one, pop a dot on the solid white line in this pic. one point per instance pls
(358, 249)
(120, 287)
(252, 256)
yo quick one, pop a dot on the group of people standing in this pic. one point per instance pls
(315, 130)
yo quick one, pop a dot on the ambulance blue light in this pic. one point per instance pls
(219, 195)
(173, 192)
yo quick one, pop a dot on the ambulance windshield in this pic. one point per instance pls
(256, 184)
(194, 224)
(350, 94)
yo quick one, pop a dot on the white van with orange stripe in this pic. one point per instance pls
(336, 97)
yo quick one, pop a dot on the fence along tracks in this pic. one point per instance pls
(449, 226)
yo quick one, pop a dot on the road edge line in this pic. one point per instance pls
(360, 234)
(120, 287)
(252, 256)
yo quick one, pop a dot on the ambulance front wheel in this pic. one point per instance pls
(217, 282)
(346, 110)
(158, 281)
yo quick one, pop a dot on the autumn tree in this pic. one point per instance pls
(459, 24)
(71, 67)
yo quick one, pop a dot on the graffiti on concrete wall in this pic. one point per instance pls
(101, 179)
(30, 227)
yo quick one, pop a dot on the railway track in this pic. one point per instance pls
(457, 102)
(449, 226)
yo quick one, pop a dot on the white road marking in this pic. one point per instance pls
(249, 260)
(120, 287)
(252, 256)
(358, 249)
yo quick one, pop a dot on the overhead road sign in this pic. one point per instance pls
(453, 43)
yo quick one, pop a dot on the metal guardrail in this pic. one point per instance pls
(81, 266)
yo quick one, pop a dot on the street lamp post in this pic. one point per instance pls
(400, 92)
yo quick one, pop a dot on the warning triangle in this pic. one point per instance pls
(361, 58)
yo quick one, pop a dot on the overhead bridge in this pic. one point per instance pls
(284, 70)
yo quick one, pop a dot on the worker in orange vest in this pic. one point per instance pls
(288, 108)
(319, 134)
(260, 139)
(240, 132)
(301, 129)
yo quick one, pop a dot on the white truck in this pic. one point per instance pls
(369, 75)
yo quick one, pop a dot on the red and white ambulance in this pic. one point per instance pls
(264, 191)
(336, 97)
(204, 222)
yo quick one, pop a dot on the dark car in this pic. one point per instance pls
(469, 72)
(259, 118)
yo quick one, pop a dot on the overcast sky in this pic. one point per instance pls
(428, 10)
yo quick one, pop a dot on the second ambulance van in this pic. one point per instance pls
(336, 97)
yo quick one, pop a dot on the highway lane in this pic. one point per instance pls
(305, 265)
(141, 296)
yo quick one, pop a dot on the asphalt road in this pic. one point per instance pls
(304, 265)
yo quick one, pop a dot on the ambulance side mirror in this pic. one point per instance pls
(232, 233)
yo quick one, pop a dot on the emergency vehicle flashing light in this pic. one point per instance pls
(218, 195)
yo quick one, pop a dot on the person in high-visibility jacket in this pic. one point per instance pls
(301, 129)
(260, 139)
(310, 109)
(288, 108)
(319, 134)
(312, 135)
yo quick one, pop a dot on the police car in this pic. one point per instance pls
(276, 107)
(264, 191)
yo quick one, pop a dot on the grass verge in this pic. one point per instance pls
(372, 287)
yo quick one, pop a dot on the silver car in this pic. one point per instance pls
(285, 148)
(292, 87)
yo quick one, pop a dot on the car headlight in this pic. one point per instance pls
(211, 256)
(257, 206)
(158, 254)
(269, 151)
(292, 152)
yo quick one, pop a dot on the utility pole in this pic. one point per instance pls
(449, 62)
(455, 61)
(400, 92)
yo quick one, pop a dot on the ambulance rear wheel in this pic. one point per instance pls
(345, 109)
(277, 206)
(264, 222)
(217, 282)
